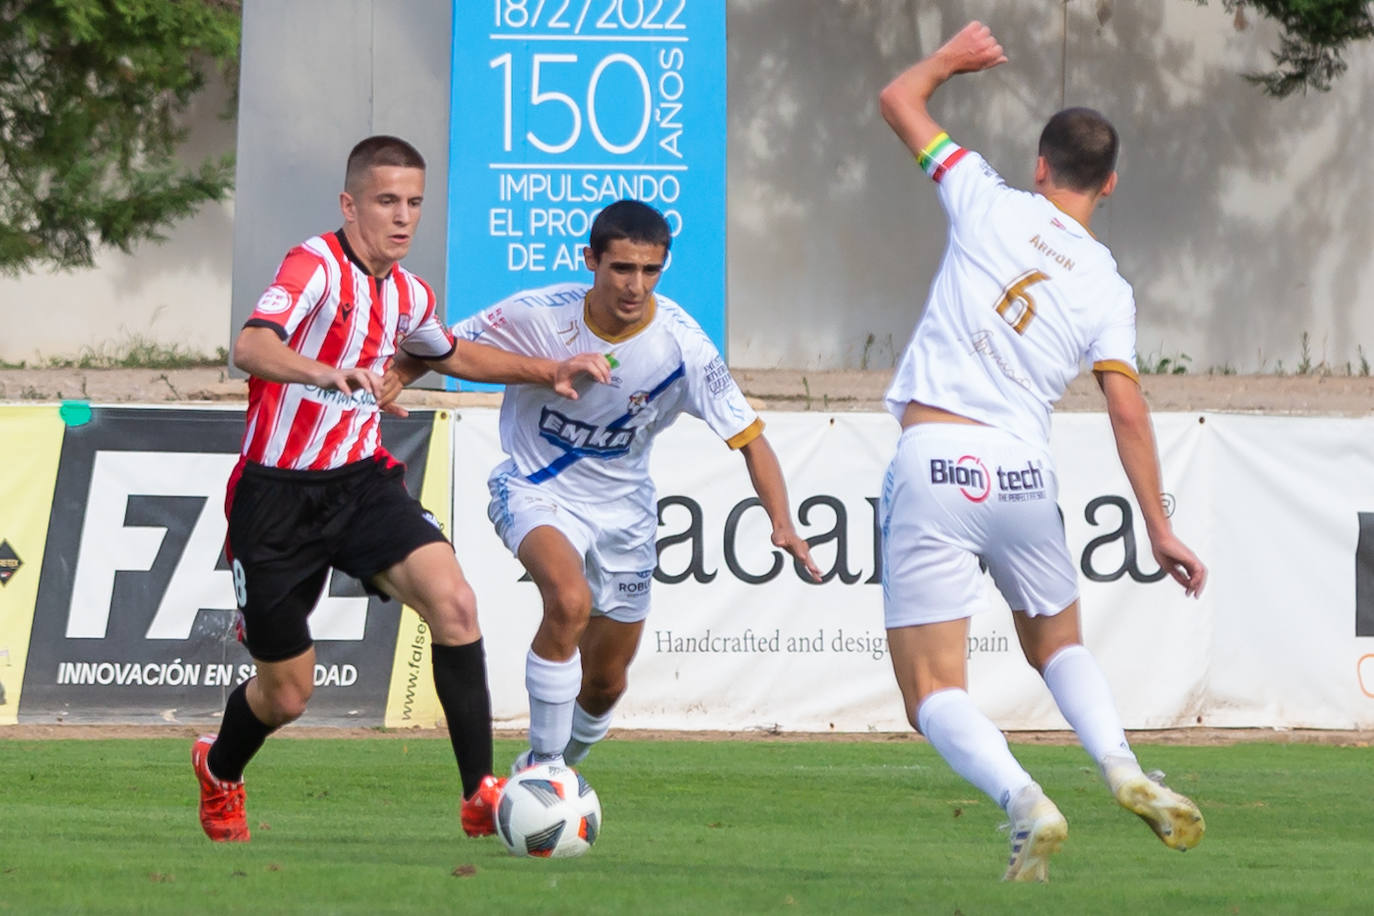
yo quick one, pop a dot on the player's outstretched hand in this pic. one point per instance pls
(574, 367)
(972, 49)
(796, 545)
(392, 386)
(1174, 556)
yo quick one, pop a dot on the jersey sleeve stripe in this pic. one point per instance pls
(746, 435)
(437, 357)
(932, 150)
(939, 156)
(1117, 365)
(265, 323)
(950, 162)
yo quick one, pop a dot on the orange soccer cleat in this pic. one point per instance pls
(479, 811)
(222, 816)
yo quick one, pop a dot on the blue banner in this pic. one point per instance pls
(560, 107)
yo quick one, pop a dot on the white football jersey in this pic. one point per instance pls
(596, 448)
(1023, 296)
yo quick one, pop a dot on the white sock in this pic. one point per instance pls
(553, 689)
(587, 730)
(972, 746)
(1023, 801)
(1084, 697)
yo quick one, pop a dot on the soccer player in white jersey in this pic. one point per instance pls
(315, 489)
(574, 500)
(1023, 295)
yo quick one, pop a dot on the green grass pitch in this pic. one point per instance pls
(768, 826)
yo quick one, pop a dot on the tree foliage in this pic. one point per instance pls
(1314, 36)
(90, 94)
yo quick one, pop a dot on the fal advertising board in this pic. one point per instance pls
(560, 107)
(134, 613)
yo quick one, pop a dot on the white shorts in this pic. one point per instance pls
(955, 494)
(616, 540)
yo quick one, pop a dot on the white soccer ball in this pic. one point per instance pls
(548, 811)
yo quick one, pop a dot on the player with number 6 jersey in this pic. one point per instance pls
(574, 500)
(1024, 293)
(1023, 296)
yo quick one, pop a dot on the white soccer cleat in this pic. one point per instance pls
(1036, 835)
(528, 758)
(1174, 818)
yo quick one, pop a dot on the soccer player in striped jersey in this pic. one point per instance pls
(574, 501)
(315, 489)
(1023, 295)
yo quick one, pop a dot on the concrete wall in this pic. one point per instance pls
(374, 67)
(1242, 221)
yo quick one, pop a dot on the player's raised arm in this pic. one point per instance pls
(903, 102)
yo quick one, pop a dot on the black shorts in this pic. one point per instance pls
(287, 528)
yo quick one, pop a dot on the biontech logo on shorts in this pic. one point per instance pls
(1020, 484)
(968, 474)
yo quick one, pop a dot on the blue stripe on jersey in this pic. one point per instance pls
(572, 455)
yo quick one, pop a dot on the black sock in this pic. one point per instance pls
(240, 736)
(460, 680)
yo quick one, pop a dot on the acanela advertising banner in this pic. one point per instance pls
(739, 639)
(133, 619)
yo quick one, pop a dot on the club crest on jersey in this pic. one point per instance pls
(584, 438)
(402, 325)
(638, 401)
(969, 474)
(275, 301)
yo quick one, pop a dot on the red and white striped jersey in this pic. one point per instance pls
(325, 305)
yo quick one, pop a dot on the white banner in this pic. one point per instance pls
(739, 640)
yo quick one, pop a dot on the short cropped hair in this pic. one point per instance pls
(380, 150)
(1080, 147)
(629, 219)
